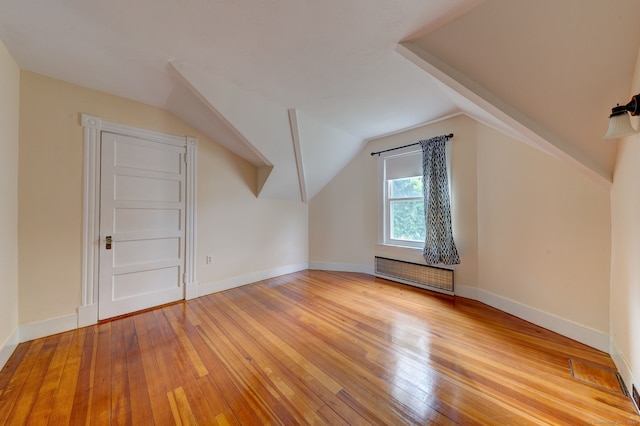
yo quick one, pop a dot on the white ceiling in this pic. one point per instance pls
(297, 87)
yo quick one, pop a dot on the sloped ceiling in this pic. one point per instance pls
(297, 88)
(555, 67)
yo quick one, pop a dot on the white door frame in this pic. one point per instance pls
(92, 129)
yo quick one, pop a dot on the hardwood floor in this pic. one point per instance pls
(311, 348)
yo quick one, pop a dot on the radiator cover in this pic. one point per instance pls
(424, 276)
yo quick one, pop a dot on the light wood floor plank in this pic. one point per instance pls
(156, 390)
(83, 392)
(100, 385)
(27, 397)
(65, 392)
(120, 392)
(42, 408)
(311, 348)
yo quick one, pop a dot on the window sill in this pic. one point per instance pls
(408, 254)
(395, 246)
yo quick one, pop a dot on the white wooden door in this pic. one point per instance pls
(142, 214)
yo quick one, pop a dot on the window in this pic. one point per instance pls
(403, 213)
(406, 209)
(401, 218)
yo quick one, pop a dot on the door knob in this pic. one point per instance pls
(108, 240)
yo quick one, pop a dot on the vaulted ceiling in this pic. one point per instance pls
(298, 87)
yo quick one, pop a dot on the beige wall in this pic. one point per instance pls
(242, 234)
(528, 227)
(625, 255)
(342, 217)
(544, 232)
(625, 267)
(9, 113)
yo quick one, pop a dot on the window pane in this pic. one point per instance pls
(406, 188)
(407, 220)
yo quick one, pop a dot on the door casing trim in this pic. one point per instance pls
(92, 129)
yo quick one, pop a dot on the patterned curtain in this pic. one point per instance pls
(438, 246)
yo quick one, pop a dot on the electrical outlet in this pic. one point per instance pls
(636, 397)
(209, 260)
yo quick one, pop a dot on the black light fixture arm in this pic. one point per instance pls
(633, 107)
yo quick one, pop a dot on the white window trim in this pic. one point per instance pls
(383, 223)
(383, 202)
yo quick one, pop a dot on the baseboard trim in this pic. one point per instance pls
(7, 348)
(87, 315)
(624, 369)
(578, 332)
(229, 283)
(39, 329)
(466, 291)
(342, 267)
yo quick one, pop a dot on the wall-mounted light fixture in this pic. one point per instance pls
(620, 119)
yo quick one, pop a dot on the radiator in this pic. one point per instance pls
(429, 277)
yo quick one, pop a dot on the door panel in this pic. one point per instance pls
(145, 156)
(138, 188)
(142, 283)
(142, 209)
(146, 251)
(131, 220)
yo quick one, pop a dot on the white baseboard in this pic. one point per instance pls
(39, 329)
(228, 283)
(578, 332)
(87, 315)
(342, 267)
(8, 347)
(466, 291)
(624, 369)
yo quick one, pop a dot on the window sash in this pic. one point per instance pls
(392, 167)
(389, 223)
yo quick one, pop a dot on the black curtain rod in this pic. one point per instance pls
(449, 136)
